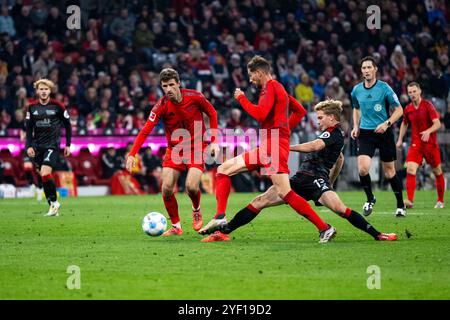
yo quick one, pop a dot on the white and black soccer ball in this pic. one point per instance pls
(154, 224)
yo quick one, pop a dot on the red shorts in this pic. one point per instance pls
(430, 152)
(270, 161)
(179, 161)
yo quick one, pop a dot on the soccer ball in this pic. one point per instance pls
(154, 224)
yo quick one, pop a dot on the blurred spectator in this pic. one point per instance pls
(235, 120)
(55, 25)
(39, 13)
(152, 167)
(122, 27)
(6, 22)
(111, 163)
(304, 92)
(447, 117)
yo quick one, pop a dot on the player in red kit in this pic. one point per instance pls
(180, 109)
(272, 155)
(424, 121)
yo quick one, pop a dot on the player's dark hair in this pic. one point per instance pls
(330, 106)
(168, 74)
(258, 63)
(368, 58)
(414, 84)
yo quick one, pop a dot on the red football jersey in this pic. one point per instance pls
(178, 116)
(420, 119)
(273, 109)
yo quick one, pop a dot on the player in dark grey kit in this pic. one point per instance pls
(44, 119)
(312, 181)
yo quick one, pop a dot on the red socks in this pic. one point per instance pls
(303, 208)
(195, 199)
(171, 204)
(253, 209)
(440, 187)
(411, 186)
(223, 188)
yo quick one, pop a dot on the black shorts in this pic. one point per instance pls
(310, 187)
(46, 156)
(369, 141)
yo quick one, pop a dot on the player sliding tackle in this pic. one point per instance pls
(272, 155)
(312, 180)
(180, 109)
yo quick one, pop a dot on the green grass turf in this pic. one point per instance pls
(277, 256)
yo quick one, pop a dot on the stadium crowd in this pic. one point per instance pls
(107, 72)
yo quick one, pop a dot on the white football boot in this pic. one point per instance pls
(54, 209)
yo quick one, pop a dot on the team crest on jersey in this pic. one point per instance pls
(50, 112)
(325, 135)
(152, 116)
(377, 107)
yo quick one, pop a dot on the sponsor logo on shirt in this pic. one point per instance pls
(377, 107)
(325, 135)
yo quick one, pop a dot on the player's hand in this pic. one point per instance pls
(130, 163)
(425, 136)
(399, 144)
(30, 152)
(215, 149)
(237, 93)
(66, 152)
(382, 127)
(355, 133)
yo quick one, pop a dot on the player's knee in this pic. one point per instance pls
(167, 190)
(412, 171)
(437, 171)
(363, 171)
(192, 188)
(389, 173)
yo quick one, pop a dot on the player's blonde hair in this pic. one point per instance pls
(330, 106)
(45, 82)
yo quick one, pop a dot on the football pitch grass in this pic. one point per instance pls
(277, 256)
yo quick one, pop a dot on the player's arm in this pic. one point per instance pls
(29, 125)
(208, 108)
(434, 116)
(402, 132)
(265, 103)
(151, 122)
(398, 111)
(298, 112)
(356, 115)
(336, 170)
(311, 146)
(426, 133)
(66, 122)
